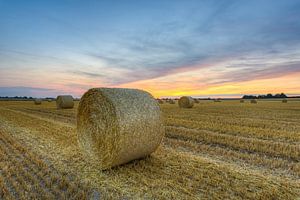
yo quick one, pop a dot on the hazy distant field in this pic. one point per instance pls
(226, 150)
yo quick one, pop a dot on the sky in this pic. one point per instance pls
(170, 48)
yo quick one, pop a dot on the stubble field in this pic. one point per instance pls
(225, 150)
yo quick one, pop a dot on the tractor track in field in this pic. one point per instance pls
(275, 150)
(25, 175)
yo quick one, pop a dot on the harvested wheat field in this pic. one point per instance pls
(227, 150)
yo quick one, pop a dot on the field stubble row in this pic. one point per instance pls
(201, 170)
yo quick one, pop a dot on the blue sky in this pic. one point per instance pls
(68, 46)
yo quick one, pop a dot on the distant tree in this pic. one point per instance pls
(261, 96)
(282, 95)
(249, 97)
(277, 95)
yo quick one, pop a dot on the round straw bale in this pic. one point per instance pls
(115, 125)
(242, 101)
(284, 101)
(186, 102)
(37, 101)
(253, 101)
(64, 101)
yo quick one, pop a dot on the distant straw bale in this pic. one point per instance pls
(284, 101)
(253, 101)
(37, 101)
(115, 125)
(64, 102)
(186, 102)
(242, 101)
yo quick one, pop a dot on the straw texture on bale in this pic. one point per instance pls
(284, 101)
(64, 101)
(186, 102)
(253, 101)
(37, 101)
(115, 125)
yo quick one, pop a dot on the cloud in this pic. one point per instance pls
(219, 41)
(225, 33)
(26, 91)
(87, 74)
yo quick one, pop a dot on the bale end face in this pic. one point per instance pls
(115, 126)
(186, 102)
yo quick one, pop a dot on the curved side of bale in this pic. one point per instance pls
(64, 102)
(284, 101)
(37, 101)
(253, 101)
(115, 126)
(186, 102)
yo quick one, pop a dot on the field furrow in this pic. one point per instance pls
(194, 162)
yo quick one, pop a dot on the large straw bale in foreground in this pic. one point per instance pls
(64, 101)
(37, 101)
(115, 126)
(186, 102)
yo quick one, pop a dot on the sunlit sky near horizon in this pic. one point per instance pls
(223, 48)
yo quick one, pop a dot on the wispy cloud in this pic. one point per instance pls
(26, 91)
(195, 44)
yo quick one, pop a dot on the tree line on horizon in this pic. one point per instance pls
(265, 96)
